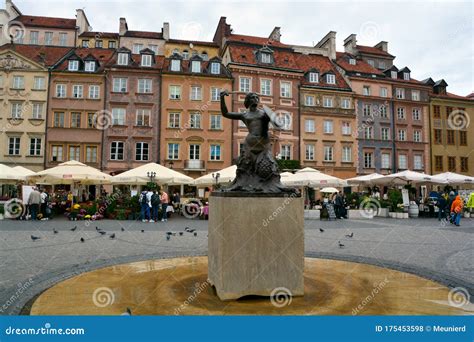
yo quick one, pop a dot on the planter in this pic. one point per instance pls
(357, 214)
(413, 210)
(383, 212)
(392, 214)
(467, 214)
(401, 215)
(2, 217)
(312, 214)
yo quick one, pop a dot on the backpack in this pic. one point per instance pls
(143, 198)
(155, 199)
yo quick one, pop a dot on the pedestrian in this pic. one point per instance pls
(144, 208)
(441, 204)
(450, 201)
(456, 209)
(164, 204)
(338, 205)
(155, 206)
(149, 194)
(44, 202)
(34, 201)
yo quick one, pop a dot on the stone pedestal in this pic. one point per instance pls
(256, 244)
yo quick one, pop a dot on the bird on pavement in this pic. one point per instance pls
(73, 229)
(195, 234)
(55, 231)
(168, 237)
(34, 238)
(143, 230)
(82, 239)
(190, 230)
(321, 230)
(170, 233)
(102, 232)
(97, 228)
(340, 244)
(112, 236)
(180, 233)
(123, 229)
(350, 235)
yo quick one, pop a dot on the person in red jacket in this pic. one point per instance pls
(456, 209)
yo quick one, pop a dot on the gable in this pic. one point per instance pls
(10, 60)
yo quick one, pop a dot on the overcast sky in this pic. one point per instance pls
(434, 39)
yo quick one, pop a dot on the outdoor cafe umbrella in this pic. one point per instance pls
(311, 178)
(161, 174)
(365, 179)
(329, 190)
(8, 175)
(453, 178)
(226, 175)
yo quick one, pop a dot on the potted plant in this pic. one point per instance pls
(394, 199)
(384, 209)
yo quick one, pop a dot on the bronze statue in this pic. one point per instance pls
(257, 170)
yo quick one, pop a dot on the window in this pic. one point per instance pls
(94, 91)
(402, 135)
(119, 85)
(266, 57)
(309, 152)
(244, 84)
(58, 119)
(448, 111)
(48, 38)
(173, 151)
(417, 136)
(313, 77)
(309, 100)
(194, 152)
(195, 120)
(91, 154)
(99, 44)
(385, 161)
(406, 76)
(416, 114)
(118, 116)
(463, 138)
(417, 162)
(143, 117)
(385, 133)
(16, 110)
(216, 121)
(309, 126)
(144, 85)
(371, 62)
(382, 65)
(116, 150)
(452, 164)
(366, 110)
(401, 113)
(61, 90)
(346, 103)
(368, 132)
(439, 163)
(153, 47)
(450, 137)
(327, 127)
(85, 43)
(266, 87)
(204, 56)
(185, 54)
(383, 111)
(393, 74)
(37, 112)
(366, 90)
(285, 89)
(346, 128)
(402, 161)
(90, 66)
(285, 152)
(56, 153)
(141, 151)
(215, 152)
(352, 61)
(383, 92)
(73, 65)
(437, 112)
(464, 164)
(137, 48)
(196, 66)
(174, 120)
(39, 83)
(14, 146)
(62, 39)
(91, 120)
(215, 68)
(175, 65)
(346, 154)
(112, 44)
(286, 118)
(75, 120)
(328, 102)
(328, 153)
(196, 93)
(400, 93)
(75, 153)
(18, 82)
(215, 94)
(438, 137)
(415, 95)
(175, 92)
(122, 58)
(331, 79)
(77, 91)
(368, 160)
(146, 61)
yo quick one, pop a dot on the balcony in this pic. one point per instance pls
(194, 165)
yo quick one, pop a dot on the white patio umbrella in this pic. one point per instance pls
(23, 171)
(364, 180)
(406, 176)
(163, 175)
(225, 176)
(329, 190)
(453, 178)
(311, 178)
(8, 175)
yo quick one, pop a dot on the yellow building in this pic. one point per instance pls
(105, 40)
(23, 96)
(188, 48)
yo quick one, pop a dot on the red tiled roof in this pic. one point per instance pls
(194, 42)
(37, 21)
(102, 56)
(372, 50)
(99, 35)
(144, 34)
(323, 65)
(255, 40)
(342, 59)
(45, 55)
(453, 96)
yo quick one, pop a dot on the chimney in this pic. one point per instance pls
(275, 35)
(382, 46)
(81, 21)
(123, 26)
(11, 9)
(223, 30)
(350, 44)
(329, 43)
(166, 31)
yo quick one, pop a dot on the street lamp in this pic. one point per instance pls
(216, 177)
(151, 175)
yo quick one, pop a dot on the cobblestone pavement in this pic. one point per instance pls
(422, 246)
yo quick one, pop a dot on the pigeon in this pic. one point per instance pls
(82, 240)
(350, 235)
(73, 229)
(112, 236)
(168, 237)
(102, 232)
(127, 312)
(97, 228)
(143, 230)
(321, 230)
(170, 233)
(55, 231)
(340, 244)
(190, 230)
(180, 233)
(34, 238)
(123, 229)
(195, 234)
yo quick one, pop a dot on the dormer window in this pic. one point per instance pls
(90, 66)
(352, 61)
(371, 62)
(146, 61)
(265, 58)
(406, 76)
(175, 65)
(204, 56)
(215, 68)
(196, 66)
(393, 74)
(331, 79)
(73, 65)
(313, 77)
(123, 58)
